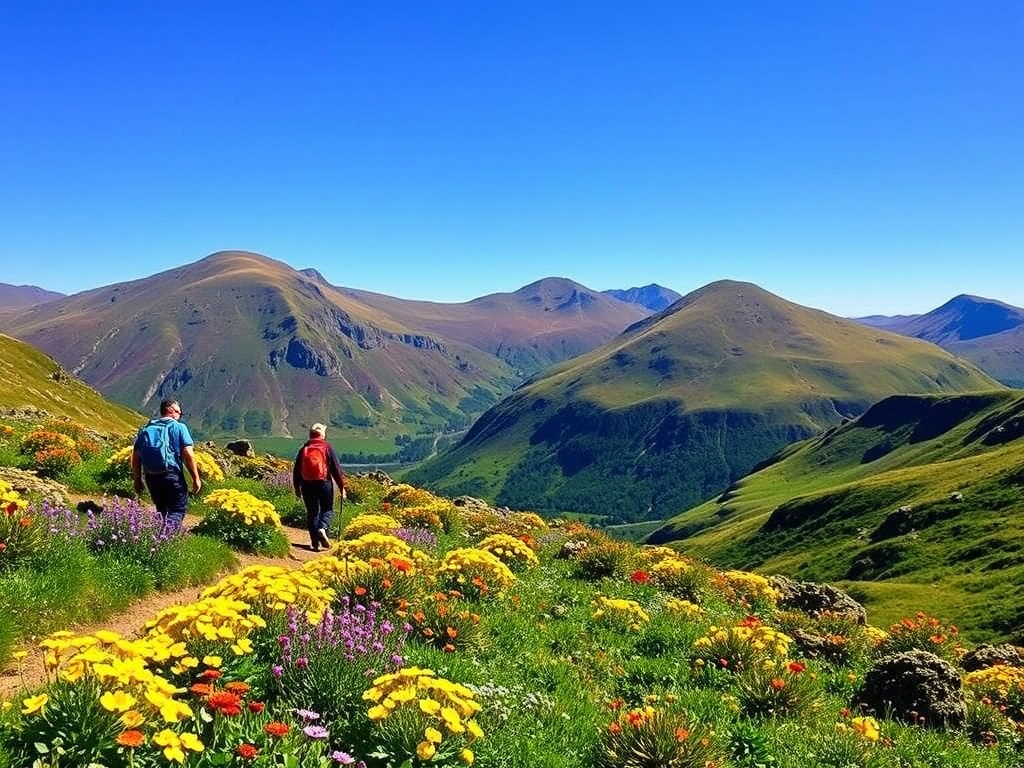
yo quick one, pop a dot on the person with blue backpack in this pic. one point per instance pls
(161, 453)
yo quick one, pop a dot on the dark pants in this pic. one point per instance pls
(170, 496)
(318, 496)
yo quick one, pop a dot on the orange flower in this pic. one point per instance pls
(201, 689)
(451, 632)
(401, 565)
(448, 648)
(614, 727)
(25, 522)
(237, 686)
(360, 591)
(246, 751)
(131, 739)
(682, 734)
(778, 683)
(276, 729)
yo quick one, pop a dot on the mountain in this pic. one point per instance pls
(29, 380)
(921, 499)
(21, 296)
(250, 345)
(545, 322)
(889, 322)
(653, 297)
(683, 403)
(987, 332)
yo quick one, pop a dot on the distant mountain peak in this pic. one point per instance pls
(653, 296)
(24, 296)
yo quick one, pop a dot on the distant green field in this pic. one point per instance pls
(345, 441)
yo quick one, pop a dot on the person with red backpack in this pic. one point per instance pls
(315, 466)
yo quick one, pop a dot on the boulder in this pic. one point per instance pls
(814, 599)
(915, 687)
(985, 656)
(31, 486)
(240, 448)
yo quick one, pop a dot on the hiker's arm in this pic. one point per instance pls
(137, 472)
(188, 456)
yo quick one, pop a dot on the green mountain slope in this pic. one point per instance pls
(31, 380)
(252, 346)
(683, 403)
(921, 497)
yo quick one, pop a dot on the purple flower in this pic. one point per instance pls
(302, 662)
(277, 670)
(343, 758)
(307, 715)
(316, 731)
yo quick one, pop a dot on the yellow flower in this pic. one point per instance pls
(466, 756)
(432, 735)
(169, 740)
(377, 713)
(213, 661)
(191, 741)
(19, 655)
(117, 701)
(425, 750)
(474, 729)
(34, 704)
(866, 728)
(430, 706)
(132, 719)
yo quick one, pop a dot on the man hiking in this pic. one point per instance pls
(315, 466)
(161, 453)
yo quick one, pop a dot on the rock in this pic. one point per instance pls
(915, 687)
(240, 448)
(571, 549)
(470, 502)
(985, 656)
(956, 496)
(814, 599)
(31, 486)
(377, 476)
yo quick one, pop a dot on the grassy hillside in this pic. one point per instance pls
(921, 498)
(683, 403)
(30, 379)
(254, 347)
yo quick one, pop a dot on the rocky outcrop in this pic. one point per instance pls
(915, 687)
(240, 448)
(814, 599)
(31, 486)
(985, 656)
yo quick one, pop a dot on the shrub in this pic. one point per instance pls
(779, 689)
(741, 647)
(513, 552)
(923, 632)
(244, 522)
(646, 736)
(474, 572)
(445, 622)
(600, 560)
(620, 613)
(366, 523)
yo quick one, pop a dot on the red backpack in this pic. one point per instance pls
(313, 464)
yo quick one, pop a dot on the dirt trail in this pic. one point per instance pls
(29, 672)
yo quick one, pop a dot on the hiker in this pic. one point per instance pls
(161, 453)
(315, 466)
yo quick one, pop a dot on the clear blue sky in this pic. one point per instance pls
(856, 156)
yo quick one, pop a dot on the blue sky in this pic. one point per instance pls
(857, 156)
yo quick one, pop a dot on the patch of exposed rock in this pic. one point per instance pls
(815, 599)
(31, 485)
(915, 687)
(985, 656)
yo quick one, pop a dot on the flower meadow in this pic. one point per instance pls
(434, 634)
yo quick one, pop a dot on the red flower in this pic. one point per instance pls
(778, 683)
(225, 702)
(210, 674)
(276, 729)
(640, 577)
(131, 739)
(246, 751)
(2, 546)
(238, 687)
(796, 667)
(256, 707)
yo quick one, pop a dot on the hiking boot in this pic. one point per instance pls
(323, 538)
(315, 546)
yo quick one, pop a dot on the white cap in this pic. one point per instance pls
(319, 428)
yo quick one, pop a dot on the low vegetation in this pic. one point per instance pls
(442, 635)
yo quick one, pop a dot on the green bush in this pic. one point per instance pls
(259, 539)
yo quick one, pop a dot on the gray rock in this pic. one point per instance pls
(985, 656)
(240, 448)
(915, 687)
(814, 599)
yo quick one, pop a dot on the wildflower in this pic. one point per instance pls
(34, 704)
(342, 758)
(131, 738)
(277, 730)
(640, 577)
(682, 735)
(866, 728)
(778, 683)
(316, 732)
(246, 751)
(425, 750)
(466, 756)
(256, 707)
(796, 667)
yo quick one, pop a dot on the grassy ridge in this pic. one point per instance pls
(829, 509)
(684, 403)
(30, 379)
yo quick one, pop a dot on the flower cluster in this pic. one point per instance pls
(21, 535)
(438, 715)
(748, 644)
(649, 736)
(362, 524)
(620, 612)
(1000, 686)
(924, 632)
(213, 618)
(747, 587)
(442, 620)
(244, 506)
(474, 572)
(682, 577)
(208, 467)
(374, 544)
(274, 588)
(515, 553)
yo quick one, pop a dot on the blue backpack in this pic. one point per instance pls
(156, 453)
